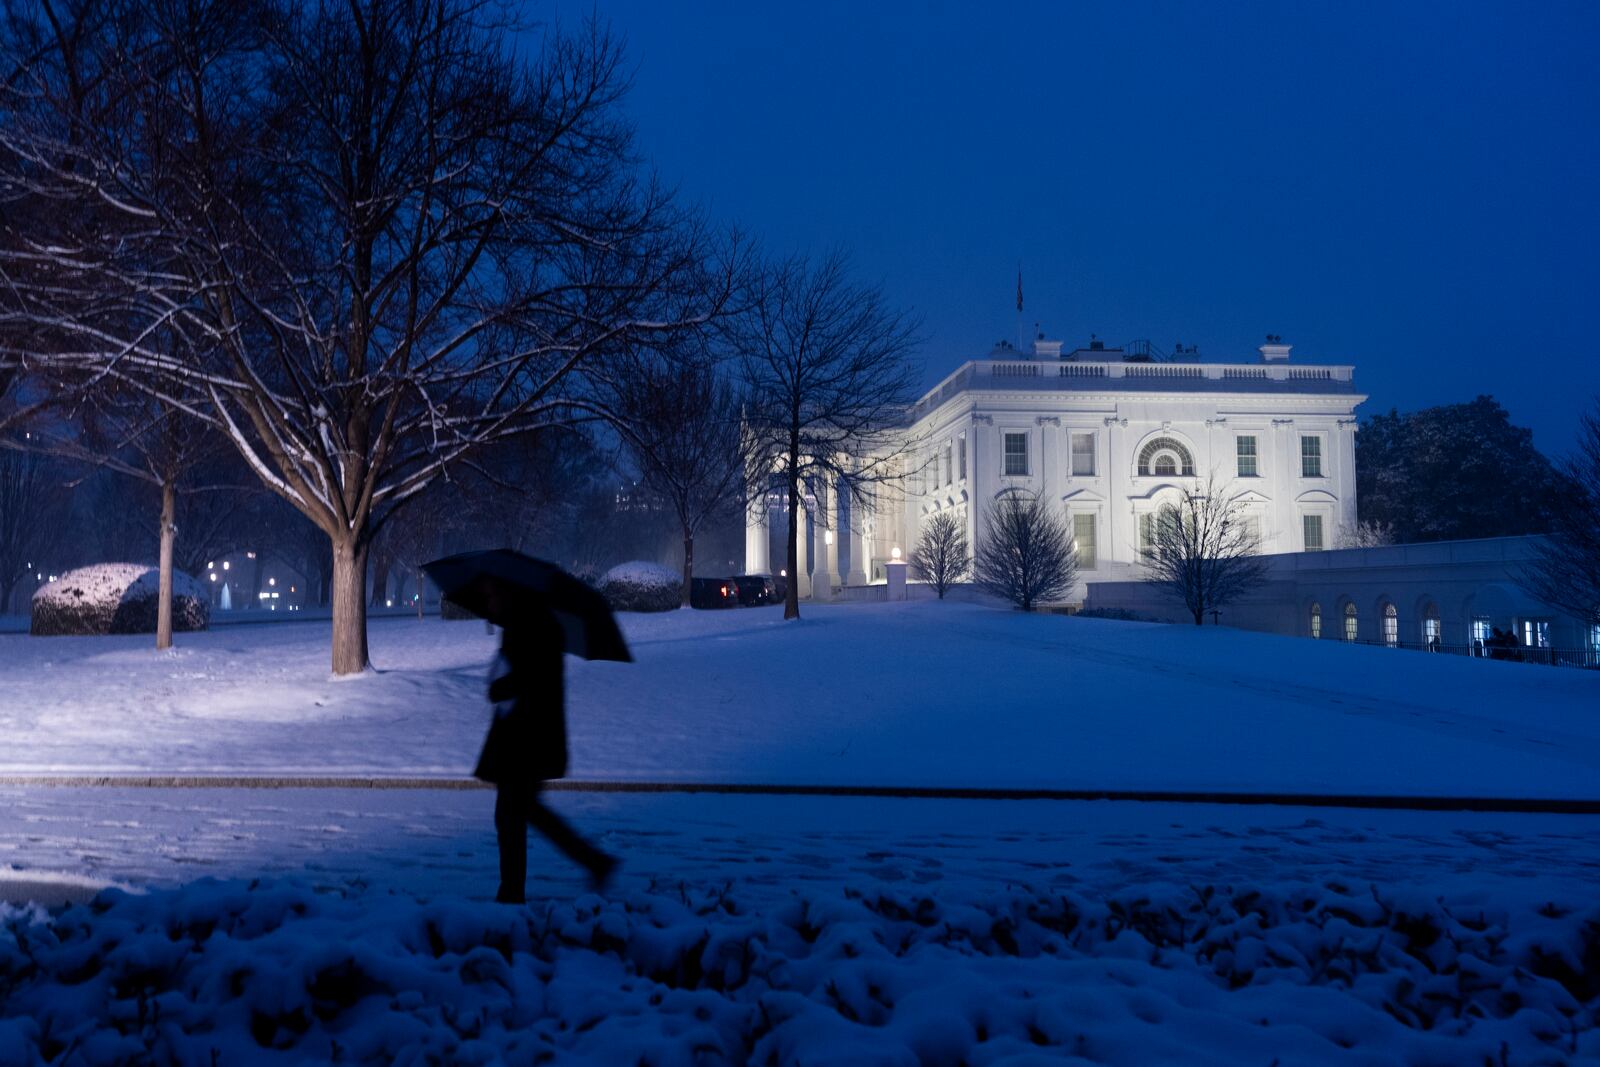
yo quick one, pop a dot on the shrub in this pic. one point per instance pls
(1026, 555)
(641, 586)
(1119, 614)
(116, 598)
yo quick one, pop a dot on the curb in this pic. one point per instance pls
(1517, 805)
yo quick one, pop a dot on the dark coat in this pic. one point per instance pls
(527, 741)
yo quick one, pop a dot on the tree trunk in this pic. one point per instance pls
(169, 533)
(349, 608)
(6, 586)
(791, 597)
(688, 563)
(422, 593)
(257, 574)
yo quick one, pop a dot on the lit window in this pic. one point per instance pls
(1311, 527)
(1016, 455)
(1482, 630)
(1432, 631)
(1536, 633)
(1391, 626)
(1246, 447)
(1316, 621)
(1083, 455)
(1349, 622)
(1083, 534)
(1310, 457)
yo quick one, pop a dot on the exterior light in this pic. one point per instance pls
(224, 564)
(388, 603)
(827, 537)
(211, 566)
(248, 555)
(783, 573)
(291, 589)
(272, 581)
(894, 553)
(213, 576)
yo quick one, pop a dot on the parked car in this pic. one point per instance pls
(713, 593)
(757, 589)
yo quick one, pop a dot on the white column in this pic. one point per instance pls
(858, 542)
(757, 536)
(802, 575)
(826, 552)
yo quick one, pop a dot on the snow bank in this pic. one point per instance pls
(277, 973)
(116, 598)
(642, 586)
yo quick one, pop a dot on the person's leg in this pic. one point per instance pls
(511, 829)
(561, 834)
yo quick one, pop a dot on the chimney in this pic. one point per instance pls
(1043, 349)
(1274, 351)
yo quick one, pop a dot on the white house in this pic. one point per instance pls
(1110, 436)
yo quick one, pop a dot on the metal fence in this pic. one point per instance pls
(1551, 657)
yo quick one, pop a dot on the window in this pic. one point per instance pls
(961, 457)
(1482, 630)
(1083, 455)
(1349, 622)
(949, 464)
(1083, 535)
(1250, 531)
(1311, 528)
(1391, 626)
(1016, 455)
(1164, 455)
(1316, 621)
(1536, 633)
(1310, 457)
(1245, 446)
(1594, 637)
(1432, 631)
(1147, 533)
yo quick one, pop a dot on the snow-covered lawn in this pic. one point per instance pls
(802, 931)
(914, 694)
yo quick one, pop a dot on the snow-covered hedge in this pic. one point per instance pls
(1337, 973)
(641, 586)
(116, 598)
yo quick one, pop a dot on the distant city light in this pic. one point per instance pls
(247, 555)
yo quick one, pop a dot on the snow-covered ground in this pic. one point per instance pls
(352, 925)
(802, 931)
(914, 694)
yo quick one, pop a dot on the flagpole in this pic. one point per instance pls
(1021, 341)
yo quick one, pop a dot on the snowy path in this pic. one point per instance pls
(429, 842)
(919, 694)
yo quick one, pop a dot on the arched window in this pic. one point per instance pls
(1391, 626)
(1316, 621)
(1165, 456)
(1349, 622)
(1432, 631)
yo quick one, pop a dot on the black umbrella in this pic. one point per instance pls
(509, 589)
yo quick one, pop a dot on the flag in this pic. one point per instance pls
(1019, 289)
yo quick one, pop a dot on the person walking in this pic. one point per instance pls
(527, 746)
(544, 613)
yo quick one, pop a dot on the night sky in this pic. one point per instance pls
(1411, 189)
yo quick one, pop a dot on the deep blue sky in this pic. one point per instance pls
(1414, 189)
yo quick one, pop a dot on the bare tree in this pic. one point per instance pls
(1364, 534)
(1203, 550)
(1026, 554)
(681, 422)
(1566, 571)
(362, 240)
(941, 557)
(826, 363)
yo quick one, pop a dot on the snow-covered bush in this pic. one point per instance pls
(641, 586)
(116, 598)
